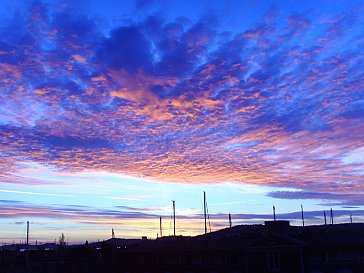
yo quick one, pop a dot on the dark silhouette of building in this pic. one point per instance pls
(273, 247)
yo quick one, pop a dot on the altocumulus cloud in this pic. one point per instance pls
(279, 103)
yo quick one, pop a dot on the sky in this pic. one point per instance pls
(109, 110)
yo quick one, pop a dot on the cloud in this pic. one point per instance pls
(127, 48)
(278, 104)
(69, 213)
(354, 199)
(141, 220)
(37, 193)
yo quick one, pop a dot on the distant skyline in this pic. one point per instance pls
(109, 110)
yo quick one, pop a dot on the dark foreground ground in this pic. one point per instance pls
(273, 247)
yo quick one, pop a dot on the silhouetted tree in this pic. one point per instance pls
(62, 240)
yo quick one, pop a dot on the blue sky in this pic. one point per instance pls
(111, 109)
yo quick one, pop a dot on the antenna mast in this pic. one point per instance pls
(204, 210)
(303, 219)
(160, 226)
(274, 213)
(27, 234)
(174, 218)
(27, 255)
(325, 218)
(230, 223)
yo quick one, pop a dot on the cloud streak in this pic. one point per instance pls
(144, 220)
(347, 199)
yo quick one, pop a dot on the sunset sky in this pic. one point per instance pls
(109, 110)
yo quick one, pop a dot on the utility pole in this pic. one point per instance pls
(27, 253)
(160, 226)
(174, 218)
(325, 218)
(204, 210)
(303, 219)
(27, 234)
(351, 219)
(274, 213)
(113, 245)
(332, 217)
(230, 223)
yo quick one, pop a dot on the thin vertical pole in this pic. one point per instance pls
(325, 218)
(113, 245)
(27, 253)
(174, 218)
(274, 213)
(27, 234)
(204, 210)
(303, 219)
(230, 223)
(160, 226)
(332, 217)
(351, 219)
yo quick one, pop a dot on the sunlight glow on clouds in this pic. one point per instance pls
(277, 102)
